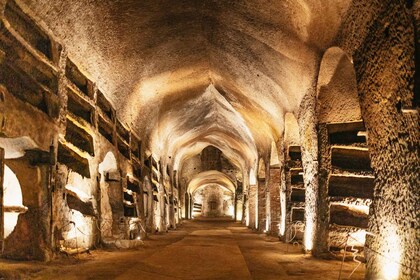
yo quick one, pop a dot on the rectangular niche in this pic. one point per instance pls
(79, 137)
(105, 106)
(298, 195)
(76, 77)
(295, 153)
(296, 177)
(298, 214)
(133, 185)
(123, 132)
(26, 88)
(351, 186)
(123, 147)
(135, 146)
(137, 172)
(27, 28)
(80, 108)
(346, 133)
(350, 158)
(343, 215)
(67, 156)
(130, 210)
(106, 129)
(74, 202)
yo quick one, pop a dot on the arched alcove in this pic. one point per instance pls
(337, 88)
(110, 194)
(213, 200)
(12, 200)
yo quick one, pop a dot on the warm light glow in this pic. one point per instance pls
(12, 197)
(247, 213)
(256, 206)
(309, 235)
(239, 209)
(282, 226)
(80, 231)
(252, 177)
(357, 238)
(390, 248)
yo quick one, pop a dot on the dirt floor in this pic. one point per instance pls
(199, 249)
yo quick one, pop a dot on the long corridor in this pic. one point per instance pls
(199, 249)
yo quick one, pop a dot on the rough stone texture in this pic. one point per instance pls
(213, 43)
(262, 213)
(252, 207)
(382, 52)
(229, 75)
(31, 237)
(275, 208)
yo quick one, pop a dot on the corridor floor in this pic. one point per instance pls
(199, 249)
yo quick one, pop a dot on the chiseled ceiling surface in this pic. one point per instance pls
(185, 74)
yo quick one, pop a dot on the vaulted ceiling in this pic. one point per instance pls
(186, 74)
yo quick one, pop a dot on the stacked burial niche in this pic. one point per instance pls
(346, 179)
(293, 190)
(81, 179)
(29, 103)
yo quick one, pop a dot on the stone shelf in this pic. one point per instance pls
(353, 158)
(79, 136)
(123, 147)
(295, 153)
(73, 159)
(105, 107)
(351, 186)
(298, 195)
(34, 38)
(298, 214)
(344, 215)
(106, 129)
(78, 81)
(80, 107)
(346, 133)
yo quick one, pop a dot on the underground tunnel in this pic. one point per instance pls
(209, 139)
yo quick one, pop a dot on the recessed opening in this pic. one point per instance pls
(298, 195)
(26, 88)
(105, 106)
(350, 158)
(79, 137)
(347, 216)
(351, 186)
(73, 160)
(295, 153)
(80, 108)
(346, 133)
(105, 129)
(123, 148)
(13, 201)
(78, 79)
(123, 132)
(27, 28)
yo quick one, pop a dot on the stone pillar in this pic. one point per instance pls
(309, 147)
(253, 206)
(274, 186)
(186, 205)
(261, 199)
